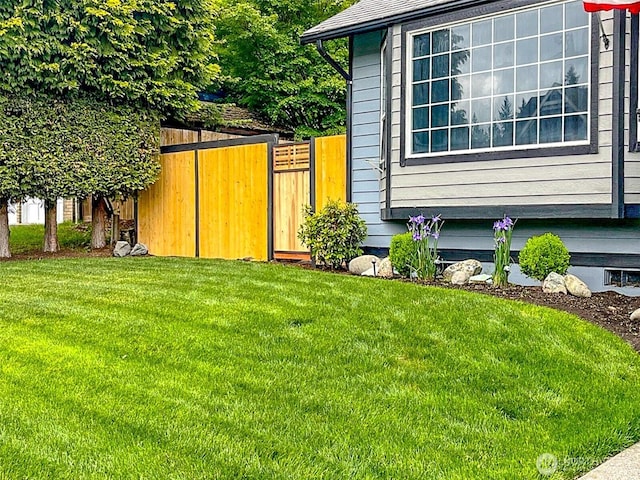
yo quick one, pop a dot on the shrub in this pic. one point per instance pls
(333, 234)
(502, 232)
(402, 251)
(542, 255)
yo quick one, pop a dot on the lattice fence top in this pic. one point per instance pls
(294, 156)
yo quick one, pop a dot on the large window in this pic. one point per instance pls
(512, 81)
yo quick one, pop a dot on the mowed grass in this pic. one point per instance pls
(30, 238)
(155, 368)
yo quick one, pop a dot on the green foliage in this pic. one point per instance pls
(402, 251)
(333, 234)
(65, 148)
(502, 233)
(542, 255)
(267, 70)
(153, 53)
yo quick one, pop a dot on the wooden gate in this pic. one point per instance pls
(239, 198)
(212, 200)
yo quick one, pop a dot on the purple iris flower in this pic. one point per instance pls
(435, 219)
(508, 222)
(497, 225)
(436, 235)
(501, 240)
(420, 219)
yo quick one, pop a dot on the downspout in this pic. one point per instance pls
(349, 79)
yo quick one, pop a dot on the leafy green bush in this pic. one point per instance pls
(333, 234)
(542, 255)
(402, 251)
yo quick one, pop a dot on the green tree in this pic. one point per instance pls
(266, 69)
(147, 55)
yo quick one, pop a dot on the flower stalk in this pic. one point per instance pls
(425, 234)
(502, 231)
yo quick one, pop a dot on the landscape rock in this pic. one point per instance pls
(482, 278)
(635, 316)
(460, 278)
(469, 267)
(122, 249)
(384, 268)
(554, 283)
(368, 273)
(139, 250)
(362, 263)
(576, 287)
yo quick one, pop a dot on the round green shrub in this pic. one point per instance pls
(542, 255)
(401, 252)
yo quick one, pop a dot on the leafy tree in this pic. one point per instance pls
(153, 55)
(267, 70)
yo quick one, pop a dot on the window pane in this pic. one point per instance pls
(503, 28)
(481, 110)
(526, 132)
(481, 59)
(502, 134)
(551, 103)
(440, 116)
(527, 78)
(577, 42)
(441, 41)
(576, 71)
(421, 142)
(460, 37)
(481, 33)
(421, 70)
(503, 55)
(551, 19)
(460, 113)
(551, 47)
(503, 81)
(439, 141)
(460, 87)
(481, 84)
(551, 130)
(460, 138)
(575, 128)
(421, 94)
(527, 51)
(527, 105)
(440, 66)
(526, 24)
(575, 16)
(460, 62)
(440, 91)
(576, 99)
(421, 44)
(420, 118)
(503, 108)
(480, 136)
(551, 75)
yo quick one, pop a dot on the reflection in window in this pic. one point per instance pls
(513, 81)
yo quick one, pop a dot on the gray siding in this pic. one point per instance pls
(531, 181)
(366, 177)
(632, 160)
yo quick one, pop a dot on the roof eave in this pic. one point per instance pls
(386, 22)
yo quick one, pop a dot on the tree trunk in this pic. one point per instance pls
(5, 252)
(115, 228)
(98, 222)
(50, 226)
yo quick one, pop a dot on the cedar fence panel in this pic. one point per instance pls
(330, 169)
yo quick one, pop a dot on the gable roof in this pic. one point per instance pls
(369, 15)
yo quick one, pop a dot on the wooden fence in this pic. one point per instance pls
(239, 198)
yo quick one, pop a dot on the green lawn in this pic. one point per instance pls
(185, 369)
(29, 238)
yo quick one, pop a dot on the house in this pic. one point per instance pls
(474, 109)
(31, 211)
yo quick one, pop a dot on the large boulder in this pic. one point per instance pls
(576, 287)
(469, 267)
(554, 283)
(384, 268)
(361, 264)
(635, 316)
(122, 249)
(139, 250)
